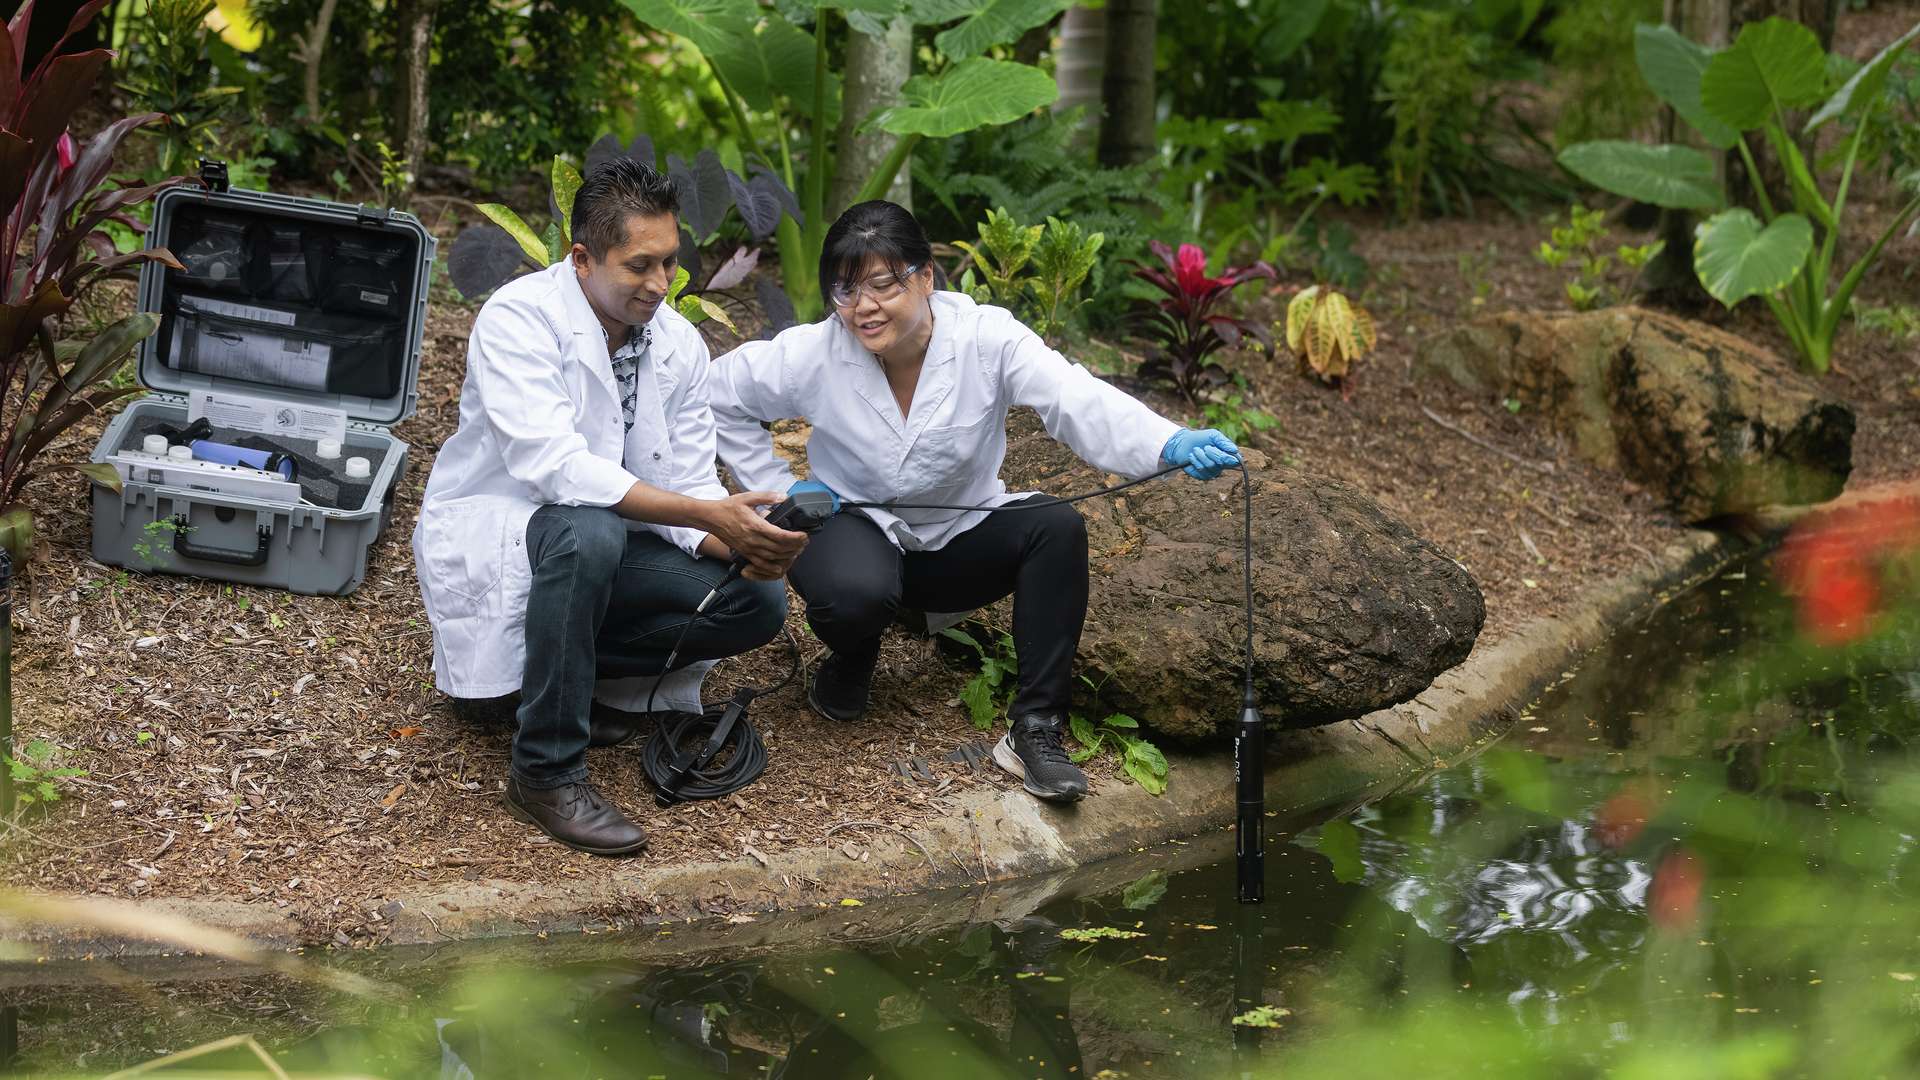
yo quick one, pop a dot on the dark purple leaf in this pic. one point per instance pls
(765, 179)
(759, 206)
(690, 255)
(776, 306)
(734, 270)
(484, 257)
(704, 196)
(606, 148)
(9, 78)
(15, 153)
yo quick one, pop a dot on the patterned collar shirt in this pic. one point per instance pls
(627, 360)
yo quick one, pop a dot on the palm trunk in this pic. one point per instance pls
(1127, 129)
(416, 29)
(1081, 63)
(875, 69)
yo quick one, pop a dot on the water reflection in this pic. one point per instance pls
(1696, 858)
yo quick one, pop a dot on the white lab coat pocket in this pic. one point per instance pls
(463, 554)
(950, 456)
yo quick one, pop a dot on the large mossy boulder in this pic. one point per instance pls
(1711, 423)
(1353, 612)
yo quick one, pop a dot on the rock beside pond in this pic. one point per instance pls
(1708, 421)
(1353, 611)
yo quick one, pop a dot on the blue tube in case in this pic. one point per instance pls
(228, 454)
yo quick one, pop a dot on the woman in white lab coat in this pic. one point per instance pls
(907, 390)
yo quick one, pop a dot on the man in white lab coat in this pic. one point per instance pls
(574, 521)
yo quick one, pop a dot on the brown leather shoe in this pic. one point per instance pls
(577, 816)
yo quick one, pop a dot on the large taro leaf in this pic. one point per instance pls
(760, 201)
(734, 270)
(606, 148)
(1774, 64)
(774, 58)
(1865, 86)
(1737, 258)
(702, 187)
(775, 304)
(983, 23)
(484, 257)
(1677, 177)
(972, 94)
(689, 254)
(1672, 65)
(712, 25)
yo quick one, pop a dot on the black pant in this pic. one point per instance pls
(856, 583)
(608, 602)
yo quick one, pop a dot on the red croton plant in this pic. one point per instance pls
(1184, 325)
(55, 198)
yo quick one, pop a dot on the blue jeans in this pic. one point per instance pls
(608, 602)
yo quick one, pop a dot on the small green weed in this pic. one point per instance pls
(36, 778)
(155, 548)
(1898, 321)
(1579, 243)
(1235, 418)
(1099, 933)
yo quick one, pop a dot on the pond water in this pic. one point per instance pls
(1695, 856)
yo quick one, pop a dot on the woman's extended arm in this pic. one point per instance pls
(1107, 427)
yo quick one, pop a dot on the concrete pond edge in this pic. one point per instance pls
(998, 852)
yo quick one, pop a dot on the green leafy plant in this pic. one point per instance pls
(1004, 249)
(1580, 244)
(1784, 256)
(987, 693)
(155, 546)
(764, 62)
(55, 198)
(1892, 123)
(1119, 734)
(170, 72)
(1061, 256)
(1235, 418)
(1898, 321)
(1476, 269)
(36, 778)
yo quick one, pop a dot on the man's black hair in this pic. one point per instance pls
(614, 191)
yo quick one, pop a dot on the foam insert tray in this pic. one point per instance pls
(323, 483)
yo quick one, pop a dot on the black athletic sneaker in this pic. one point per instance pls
(838, 689)
(1036, 752)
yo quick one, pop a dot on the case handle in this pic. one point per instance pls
(184, 546)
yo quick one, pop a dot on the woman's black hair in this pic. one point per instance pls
(869, 230)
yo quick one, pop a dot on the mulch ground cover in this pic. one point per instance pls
(290, 750)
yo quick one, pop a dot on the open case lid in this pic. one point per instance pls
(289, 299)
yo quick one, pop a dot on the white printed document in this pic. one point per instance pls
(266, 417)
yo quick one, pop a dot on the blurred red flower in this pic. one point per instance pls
(1673, 900)
(1622, 818)
(1843, 565)
(1190, 269)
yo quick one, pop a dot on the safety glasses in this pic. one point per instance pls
(880, 287)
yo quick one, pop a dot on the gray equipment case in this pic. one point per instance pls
(309, 308)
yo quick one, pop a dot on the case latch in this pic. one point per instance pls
(214, 175)
(373, 215)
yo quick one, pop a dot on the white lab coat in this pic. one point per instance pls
(980, 362)
(541, 423)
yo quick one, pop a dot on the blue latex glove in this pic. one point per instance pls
(1203, 452)
(815, 485)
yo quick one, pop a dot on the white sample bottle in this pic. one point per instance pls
(358, 468)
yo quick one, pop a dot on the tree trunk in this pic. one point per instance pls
(312, 47)
(1081, 62)
(416, 46)
(875, 69)
(1127, 129)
